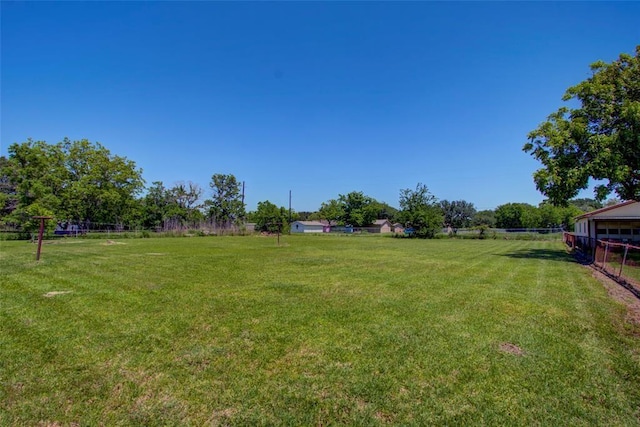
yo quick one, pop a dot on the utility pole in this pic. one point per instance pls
(289, 206)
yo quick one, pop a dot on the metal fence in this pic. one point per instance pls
(619, 260)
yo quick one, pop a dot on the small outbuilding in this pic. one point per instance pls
(619, 223)
(307, 227)
(382, 226)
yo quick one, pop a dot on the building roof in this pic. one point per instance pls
(316, 223)
(381, 222)
(607, 209)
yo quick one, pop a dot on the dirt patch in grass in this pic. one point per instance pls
(507, 347)
(113, 242)
(621, 294)
(55, 293)
(219, 417)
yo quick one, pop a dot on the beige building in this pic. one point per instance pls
(382, 226)
(620, 223)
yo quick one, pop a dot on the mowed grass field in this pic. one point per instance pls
(322, 330)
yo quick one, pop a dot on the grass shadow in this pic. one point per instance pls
(545, 254)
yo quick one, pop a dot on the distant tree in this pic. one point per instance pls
(331, 210)
(187, 194)
(184, 205)
(517, 215)
(358, 210)
(307, 216)
(419, 210)
(155, 205)
(600, 139)
(8, 190)
(385, 211)
(551, 216)
(458, 213)
(612, 202)
(171, 207)
(485, 218)
(585, 204)
(271, 218)
(226, 207)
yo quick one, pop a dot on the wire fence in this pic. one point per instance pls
(89, 229)
(618, 260)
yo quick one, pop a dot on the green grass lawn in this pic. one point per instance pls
(321, 330)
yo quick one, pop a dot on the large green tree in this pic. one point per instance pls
(71, 180)
(102, 187)
(332, 211)
(226, 207)
(485, 218)
(269, 217)
(385, 211)
(457, 213)
(419, 210)
(599, 139)
(586, 204)
(155, 205)
(171, 208)
(517, 215)
(8, 190)
(358, 209)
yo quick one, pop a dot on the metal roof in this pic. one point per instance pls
(606, 209)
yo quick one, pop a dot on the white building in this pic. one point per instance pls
(307, 227)
(620, 222)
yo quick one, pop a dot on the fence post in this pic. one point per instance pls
(604, 260)
(624, 259)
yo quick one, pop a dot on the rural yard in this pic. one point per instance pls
(319, 330)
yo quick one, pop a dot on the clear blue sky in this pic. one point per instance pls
(320, 98)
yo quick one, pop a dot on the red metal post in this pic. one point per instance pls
(40, 234)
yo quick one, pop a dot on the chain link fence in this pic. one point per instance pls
(618, 260)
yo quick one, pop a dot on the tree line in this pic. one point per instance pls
(83, 183)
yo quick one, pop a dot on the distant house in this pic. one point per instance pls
(307, 227)
(398, 228)
(382, 226)
(620, 222)
(378, 226)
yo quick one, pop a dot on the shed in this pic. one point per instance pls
(307, 227)
(620, 222)
(382, 226)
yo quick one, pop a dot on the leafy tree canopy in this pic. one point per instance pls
(385, 211)
(331, 210)
(585, 204)
(517, 215)
(458, 213)
(485, 218)
(420, 211)
(600, 139)
(226, 206)
(269, 217)
(357, 209)
(169, 207)
(72, 180)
